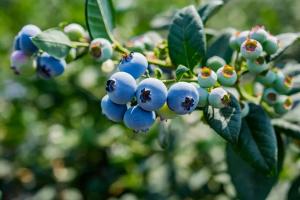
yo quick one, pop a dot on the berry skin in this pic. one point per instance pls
(267, 79)
(233, 42)
(75, 32)
(134, 63)
(283, 84)
(151, 94)
(165, 112)
(25, 35)
(251, 49)
(244, 108)
(203, 96)
(283, 105)
(49, 67)
(22, 63)
(71, 55)
(182, 98)
(114, 112)
(16, 45)
(219, 98)
(207, 77)
(241, 37)
(138, 119)
(227, 75)
(270, 96)
(259, 33)
(121, 88)
(271, 44)
(215, 63)
(101, 49)
(257, 66)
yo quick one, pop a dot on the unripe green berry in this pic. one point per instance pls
(215, 63)
(233, 42)
(227, 75)
(283, 105)
(75, 32)
(283, 84)
(71, 55)
(218, 98)
(203, 96)
(242, 37)
(270, 96)
(271, 44)
(267, 79)
(101, 49)
(165, 112)
(244, 108)
(251, 49)
(207, 77)
(257, 66)
(259, 33)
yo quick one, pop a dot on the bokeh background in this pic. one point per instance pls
(55, 144)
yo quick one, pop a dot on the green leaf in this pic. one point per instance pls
(225, 121)
(257, 141)
(209, 9)
(249, 183)
(186, 40)
(54, 42)
(100, 18)
(294, 191)
(180, 71)
(220, 46)
(288, 128)
(285, 41)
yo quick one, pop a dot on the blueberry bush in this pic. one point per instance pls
(188, 111)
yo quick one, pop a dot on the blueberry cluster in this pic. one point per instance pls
(255, 47)
(137, 105)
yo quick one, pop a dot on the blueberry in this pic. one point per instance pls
(101, 49)
(138, 119)
(227, 75)
(251, 49)
(151, 94)
(16, 44)
(283, 105)
(112, 111)
(207, 77)
(215, 63)
(218, 98)
(49, 67)
(22, 63)
(257, 66)
(75, 32)
(270, 96)
(182, 98)
(283, 84)
(203, 96)
(259, 33)
(134, 64)
(241, 37)
(271, 44)
(267, 78)
(121, 88)
(25, 35)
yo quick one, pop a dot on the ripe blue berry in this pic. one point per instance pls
(270, 96)
(16, 44)
(267, 79)
(134, 63)
(215, 63)
(151, 94)
(138, 119)
(75, 32)
(207, 77)
(283, 84)
(25, 35)
(219, 98)
(203, 96)
(251, 49)
(259, 33)
(283, 105)
(121, 88)
(182, 98)
(111, 110)
(101, 49)
(271, 44)
(22, 63)
(257, 66)
(49, 67)
(227, 75)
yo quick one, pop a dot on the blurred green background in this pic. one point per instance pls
(55, 144)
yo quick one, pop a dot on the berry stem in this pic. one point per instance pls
(184, 80)
(80, 44)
